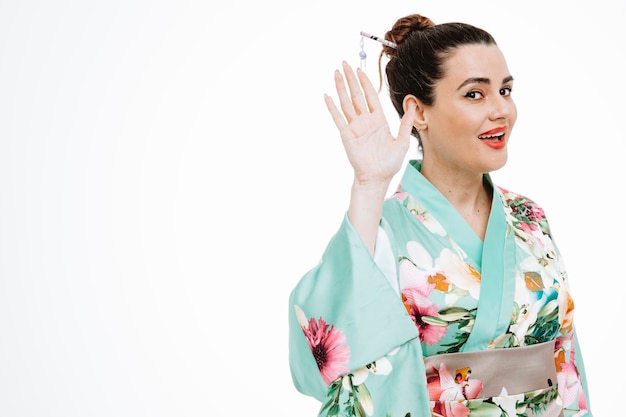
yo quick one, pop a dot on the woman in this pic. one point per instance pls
(450, 297)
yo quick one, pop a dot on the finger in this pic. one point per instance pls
(343, 127)
(344, 97)
(358, 99)
(334, 112)
(371, 95)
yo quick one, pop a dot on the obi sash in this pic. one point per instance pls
(522, 379)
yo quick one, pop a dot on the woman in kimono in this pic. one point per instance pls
(449, 297)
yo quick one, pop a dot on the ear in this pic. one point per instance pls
(420, 117)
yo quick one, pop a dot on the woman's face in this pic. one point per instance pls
(469, 124)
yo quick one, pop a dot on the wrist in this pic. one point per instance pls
(370, 190)
(370, 186)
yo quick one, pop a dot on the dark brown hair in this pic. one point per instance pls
(422, 48)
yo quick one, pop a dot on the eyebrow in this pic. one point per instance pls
(480, 80)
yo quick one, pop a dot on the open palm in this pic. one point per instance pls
(374, 153)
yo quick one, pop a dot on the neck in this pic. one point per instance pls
(468, 192)
(462, 188)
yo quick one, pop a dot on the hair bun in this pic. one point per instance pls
(403, 28)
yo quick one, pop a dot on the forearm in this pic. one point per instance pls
(365, 210)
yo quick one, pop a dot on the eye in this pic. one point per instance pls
(506, 91)
(474, 95)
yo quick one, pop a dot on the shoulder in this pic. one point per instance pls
(524, 211)
(516, 200)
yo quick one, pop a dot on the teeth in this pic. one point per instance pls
(497, 135)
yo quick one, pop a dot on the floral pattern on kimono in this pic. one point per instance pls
(362, 327)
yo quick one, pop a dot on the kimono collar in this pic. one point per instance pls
(444, 212)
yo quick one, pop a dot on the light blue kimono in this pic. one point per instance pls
(439, 322)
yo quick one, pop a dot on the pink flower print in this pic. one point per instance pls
(449, 394)
(570, 387)
(418, 306)
(417, 268)
(527, 213)
(528, 227)
(472, 389)
(461, 387)
(418, 280)
(450, 409)
(568, 378)
(533, 214)
(400, 195)
(327, 345)
(537, 213)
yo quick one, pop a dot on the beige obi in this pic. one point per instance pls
(521, 379)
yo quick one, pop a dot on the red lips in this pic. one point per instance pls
(494, 131)
(494, 138)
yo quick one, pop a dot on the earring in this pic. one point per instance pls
(362, 55)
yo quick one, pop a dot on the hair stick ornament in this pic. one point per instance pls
(381, 40)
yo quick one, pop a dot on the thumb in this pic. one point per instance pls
(406, 123)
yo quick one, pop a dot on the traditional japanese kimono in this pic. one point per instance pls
(439, 322)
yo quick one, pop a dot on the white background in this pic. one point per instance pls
(168, 171)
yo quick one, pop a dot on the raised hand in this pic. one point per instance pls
(374, 153)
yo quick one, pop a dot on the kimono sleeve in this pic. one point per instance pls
(570, 367)
(343, 315)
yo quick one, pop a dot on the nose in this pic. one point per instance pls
(502, 107)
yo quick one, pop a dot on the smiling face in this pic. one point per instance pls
(467, 128)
